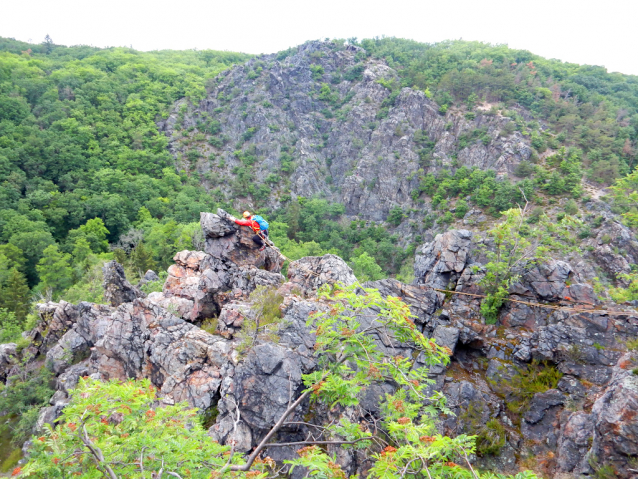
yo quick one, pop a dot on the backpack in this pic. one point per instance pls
(263, 224)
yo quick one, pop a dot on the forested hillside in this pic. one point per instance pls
(85, 172)
(82, 161)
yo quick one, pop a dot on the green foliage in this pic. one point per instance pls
(461, 208)
(80, 152)
(29, 391)
(536, 377)
(54, 270)
(349, 360)
(515, 245)
(317, 71)
(630, 293)
(10, 327)
(123, 422)
(11, 461)
(396, 216)
(15, 295)
(155, 286)
(365, 268)
(264, 320)
(313, 227)
(624, 195)
(491, 438)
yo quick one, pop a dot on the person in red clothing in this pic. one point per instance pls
(260, 234)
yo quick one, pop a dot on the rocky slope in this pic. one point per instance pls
(327, 120)
(585, 421)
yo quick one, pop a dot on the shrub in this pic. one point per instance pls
(508, 128)
(491, 438)
(528, 380)
(264, 320)
(524, 169)
(571, 208)
(584, 233)
(461, 208)
(395, 216)
(120, 419)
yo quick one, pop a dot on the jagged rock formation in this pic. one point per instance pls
(351, 139)
(588, 417)
(117, 289)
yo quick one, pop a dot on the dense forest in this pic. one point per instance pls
(85, 175)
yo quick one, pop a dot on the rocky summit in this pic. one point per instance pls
(586, 411)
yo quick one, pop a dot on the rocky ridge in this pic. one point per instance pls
(585, 421)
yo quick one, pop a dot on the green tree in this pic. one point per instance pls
(55, 271)
(32, 244)
(13, 257)
(15, 295)
(142, 259)
(517, 245)
(365, 268)
(94, 232)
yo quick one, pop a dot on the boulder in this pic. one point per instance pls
(149, 277)
(312, 272)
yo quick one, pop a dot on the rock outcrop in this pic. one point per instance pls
(584, 421)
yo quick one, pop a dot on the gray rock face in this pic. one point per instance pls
(117, 289)
(353, 144)
(441, 262)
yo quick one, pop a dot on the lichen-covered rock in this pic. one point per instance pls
(117, 289)
(232, 317)
(312, 272)
(199, 284)
(217, 225)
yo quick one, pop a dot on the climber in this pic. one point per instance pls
(259, 226)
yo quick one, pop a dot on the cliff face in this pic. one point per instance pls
(321, 122)
(583, 418)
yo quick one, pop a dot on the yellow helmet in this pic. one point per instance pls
(247, 214)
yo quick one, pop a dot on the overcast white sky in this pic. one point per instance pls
(581, 31)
